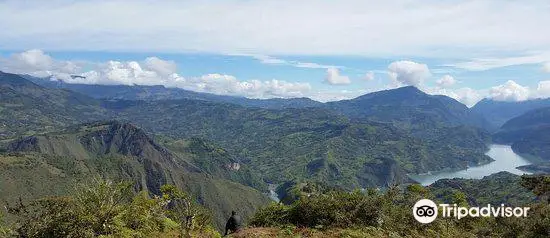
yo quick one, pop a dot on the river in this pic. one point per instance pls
(505, 160)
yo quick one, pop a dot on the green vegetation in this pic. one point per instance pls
(374, 214)
(107, 209)
(537, 168)
(219, 152)
(410, 108)
(26, 108)
(419, 132)
(214, 160)
(499, 188)
(50, 165)
(310, 143)
(499, 112)
(528, 134)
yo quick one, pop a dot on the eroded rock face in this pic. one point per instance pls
(27, 144)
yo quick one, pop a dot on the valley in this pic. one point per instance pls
(504, 160)
(233, 153)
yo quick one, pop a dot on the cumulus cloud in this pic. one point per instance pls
(334, 77)
(230, 85)
(369, 76)
(408, 72)
(34, 59)
(162, 67)
(37, 63)
(542, 91)
(446, 81)
(466, 96)
(151, 71)
(509, 91)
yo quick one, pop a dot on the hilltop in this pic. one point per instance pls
(50, 164)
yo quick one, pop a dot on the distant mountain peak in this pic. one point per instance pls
(409, 106)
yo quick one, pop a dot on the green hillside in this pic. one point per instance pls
(50, 164)
(499, 112)
(528, 134)
(310, 143)
(26, 108)
(499, 188)
(410, 108)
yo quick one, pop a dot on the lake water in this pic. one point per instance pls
(505, 160)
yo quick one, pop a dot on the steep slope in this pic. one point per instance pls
(408, 107)
(528, 133)
(214, 160)
(26, 108)
(497, 112)
(310, 143)
(499, 188)
(50, 164)
(159, 92)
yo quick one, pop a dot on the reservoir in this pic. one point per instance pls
(505, 160)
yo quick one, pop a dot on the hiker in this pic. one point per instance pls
(233, 224)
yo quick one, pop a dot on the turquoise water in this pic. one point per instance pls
(505, 160)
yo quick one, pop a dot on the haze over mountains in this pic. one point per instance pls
(226, 150)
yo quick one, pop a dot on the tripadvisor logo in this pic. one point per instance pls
(425, 211)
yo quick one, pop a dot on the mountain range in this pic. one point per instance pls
(226, 150)
(49, 164)
(499, 112)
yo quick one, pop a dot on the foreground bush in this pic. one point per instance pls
(389, 214)
(107, 209)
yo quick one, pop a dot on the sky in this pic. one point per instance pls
(324, 50)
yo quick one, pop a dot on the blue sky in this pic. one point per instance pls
(325, 50)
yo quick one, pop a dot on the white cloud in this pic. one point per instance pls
(35, 59)
(466, 96)
(151, 71)
(334, 77)
(509, 91)
(349, 27)
(408, 72)
(162, 67)
(546, 67)
(37, 63)
(446, 81)
(492, 63)
(543, 90)
(314, 65)
(369, 76)
(230, 85)
(265, 59)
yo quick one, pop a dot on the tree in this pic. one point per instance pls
(100, 203)
(182, 209)
(539, 184)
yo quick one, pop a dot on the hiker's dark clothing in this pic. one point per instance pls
(234, 224)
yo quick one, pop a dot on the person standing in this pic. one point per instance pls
(234, 224)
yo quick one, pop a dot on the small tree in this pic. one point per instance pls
(100, 203)
(144, 214)
(182, 209)
(48, 217)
